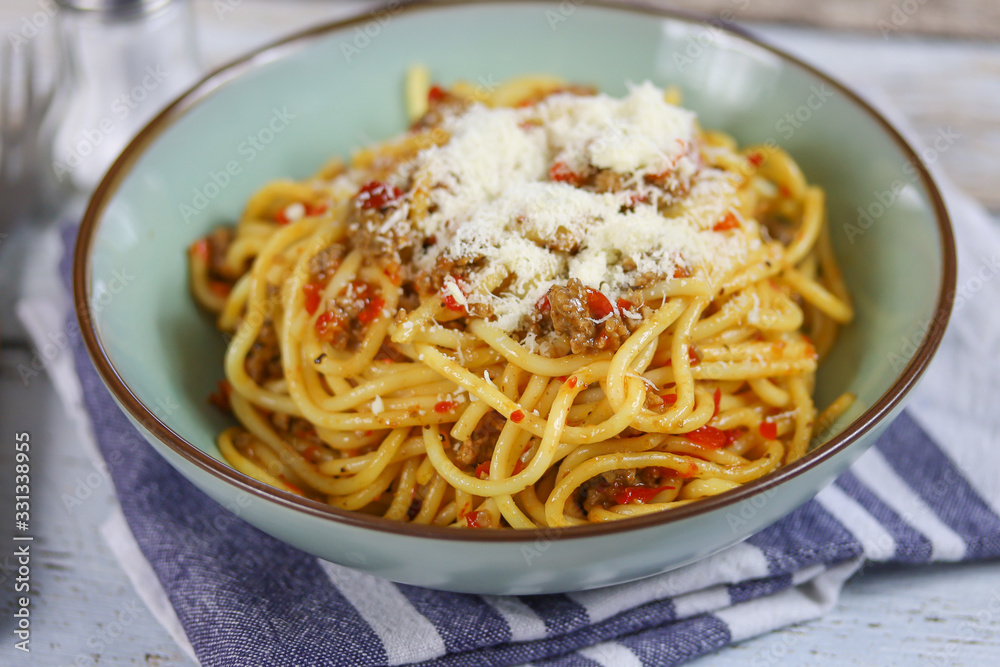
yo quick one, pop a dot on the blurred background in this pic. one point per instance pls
(77, 83)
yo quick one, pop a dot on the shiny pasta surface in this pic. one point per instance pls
(361, 379)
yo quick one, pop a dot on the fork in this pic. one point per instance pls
(25, 100)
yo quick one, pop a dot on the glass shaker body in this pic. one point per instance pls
(124, 63)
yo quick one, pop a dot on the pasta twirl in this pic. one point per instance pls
(539, 306)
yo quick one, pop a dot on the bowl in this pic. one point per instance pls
(283, 110)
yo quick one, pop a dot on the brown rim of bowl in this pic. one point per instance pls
(861, 425)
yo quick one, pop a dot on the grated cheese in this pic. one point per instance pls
(491, 197)
(639, 133)
(451, 288)
(294, 212)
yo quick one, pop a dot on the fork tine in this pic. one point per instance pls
(48, 52)
(6, 55)
(13, 110)
(30, 102)
(25, 103)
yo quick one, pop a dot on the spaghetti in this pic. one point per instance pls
(539, 306)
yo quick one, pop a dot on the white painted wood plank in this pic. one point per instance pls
(885, 616)
(937, 615)
(969, 18)
(936, 84)
(83, 606)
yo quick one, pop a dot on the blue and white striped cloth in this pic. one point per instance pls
(928, 491)
(231, 595)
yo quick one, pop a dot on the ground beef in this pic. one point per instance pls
(440, 105)
(669, 182)
(562, 241)
(607, 180)
(302, 435)
(244, 443)
(323, 265)
(296, 427)
(600, 490)
(601, 180)
(571, 316)
(660, 403)
(571, 311)
(479, 447)
(263, 361)
(547, 342)
(215, 246)
(218, 244)
(428, 283)
(414, 508)
(345, 308)
(390, 352)
(779, 227)
(645, 279)
(393, 246)
(409, 300)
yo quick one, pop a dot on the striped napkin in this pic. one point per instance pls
(230, 595)
(928, 491)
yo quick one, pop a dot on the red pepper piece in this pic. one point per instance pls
(693, 358)
(377, 194)
(371, 310)
(313, 295)
(200, 248)
(312, 210)
(561, 172)
(449, 300)
(707, 436)
(327, 324)
(727, 223)
(598, 304)
(435, 94)
(543, 305)
(478, 519)
(220, 288)
(637, 494)
(220, 397)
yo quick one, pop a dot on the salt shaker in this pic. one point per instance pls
(126, 59)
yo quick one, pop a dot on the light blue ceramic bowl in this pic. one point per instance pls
(283, 111)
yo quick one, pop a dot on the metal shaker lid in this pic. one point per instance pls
(114, 7)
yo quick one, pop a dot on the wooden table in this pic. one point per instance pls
(86, 611)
